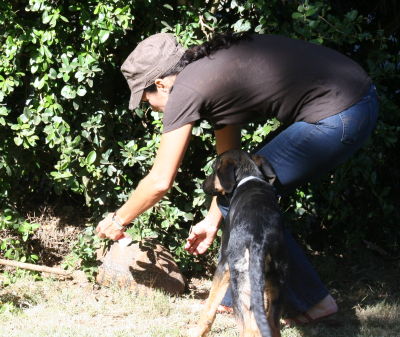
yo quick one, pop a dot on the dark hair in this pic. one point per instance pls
(218, 41)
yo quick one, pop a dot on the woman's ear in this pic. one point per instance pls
(161, 85)
(226, 175)
(165, 84)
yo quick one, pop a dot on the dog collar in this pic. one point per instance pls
(244, 180)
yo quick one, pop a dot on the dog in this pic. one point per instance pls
(253, 258)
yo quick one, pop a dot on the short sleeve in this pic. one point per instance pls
(184, 106)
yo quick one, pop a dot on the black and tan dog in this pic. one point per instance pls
(252, 257)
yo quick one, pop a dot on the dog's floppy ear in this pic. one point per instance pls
(226, 175)
(265, 167)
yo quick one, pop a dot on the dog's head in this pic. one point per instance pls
(231, 167)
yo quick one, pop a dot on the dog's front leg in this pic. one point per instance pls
(275, 301)
(218, 289)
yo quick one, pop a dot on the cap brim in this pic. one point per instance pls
(135, 99)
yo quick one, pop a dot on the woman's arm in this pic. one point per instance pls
(154, 186)
(227, 138)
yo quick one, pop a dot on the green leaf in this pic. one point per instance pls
(91, 157)
(81, 91)
(297, 16)
(23, 119)
(164, 23)
(52, 73)
(242, 25)
(110, 170)
(104, 34)
(64, 18)
(311, 11)
(34, 68)
(46, 17)
(47, 52)
(34, 257)
(68, 92)
(318, 40)
(352, 15)
(79, 75)
(65, 59)
(18, 141)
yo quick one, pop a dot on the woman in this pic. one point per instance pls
(325, 101)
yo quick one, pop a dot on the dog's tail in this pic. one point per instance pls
(257, 270)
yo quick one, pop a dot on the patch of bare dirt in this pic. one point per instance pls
(59, 228)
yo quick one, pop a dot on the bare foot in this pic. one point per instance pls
(322, 309)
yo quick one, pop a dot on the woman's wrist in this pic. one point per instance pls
(118, 221)
(214, 215)
(124, 214)
(213, 220)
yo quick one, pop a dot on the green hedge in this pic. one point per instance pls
(65, 128)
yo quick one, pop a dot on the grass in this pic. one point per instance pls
(67, 309)
(365, 286)
(56, 308)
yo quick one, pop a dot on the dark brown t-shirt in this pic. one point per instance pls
(263, 77)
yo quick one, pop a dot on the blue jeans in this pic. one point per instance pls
(301, 153)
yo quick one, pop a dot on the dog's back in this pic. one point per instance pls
(255, 254)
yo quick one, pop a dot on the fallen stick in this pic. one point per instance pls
(34, 267)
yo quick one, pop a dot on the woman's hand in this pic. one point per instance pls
(201, 237)
(110, 228)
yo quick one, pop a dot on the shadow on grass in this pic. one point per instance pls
(366, 287)
(15, 302)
